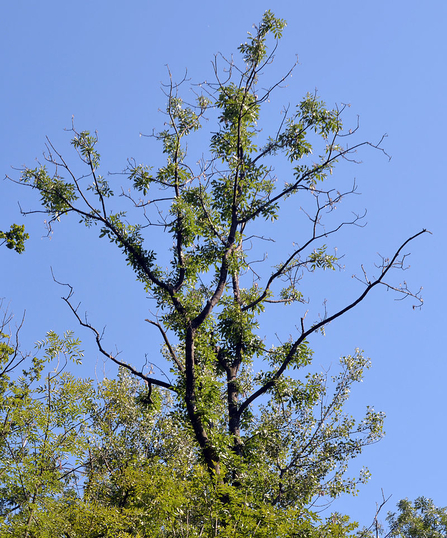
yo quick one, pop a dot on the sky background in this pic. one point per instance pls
(103, 62)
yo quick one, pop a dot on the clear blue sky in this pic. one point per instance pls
(103, 61)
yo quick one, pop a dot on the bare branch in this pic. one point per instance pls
(98, 338)
(168, 344)
(305, 334)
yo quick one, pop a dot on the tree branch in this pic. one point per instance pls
(168, 344)
(305, 334)
(134, 371)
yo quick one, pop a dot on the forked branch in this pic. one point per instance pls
(306, 333)
(98, 337)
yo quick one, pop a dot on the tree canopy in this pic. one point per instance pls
(417, 519)
(242, 437)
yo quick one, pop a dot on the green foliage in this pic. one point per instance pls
(55, 347)
(320, 260)
(83, 462)
(41, 434)
(85, 143)
(255, 50)
(141, 178)
(15, 238)
(56, 194)
(244, 438)
(418, 520)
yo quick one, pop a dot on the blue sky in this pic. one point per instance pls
(103, 61)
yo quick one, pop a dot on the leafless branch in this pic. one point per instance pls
(305, 334)
(168, 344)
(98, 338)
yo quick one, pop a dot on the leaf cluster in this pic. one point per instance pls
(15, 238)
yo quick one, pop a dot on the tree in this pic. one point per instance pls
(41, 421)
(128, 470)
(271, 442)
(83, 461)
(419, 519)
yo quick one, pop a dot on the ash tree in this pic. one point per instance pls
(421, 518)
(417, 519)
(264, 428)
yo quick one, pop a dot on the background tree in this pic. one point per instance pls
(79, 461)
(41, 415)
(256, 428)
(417, 519)
(83, 461)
